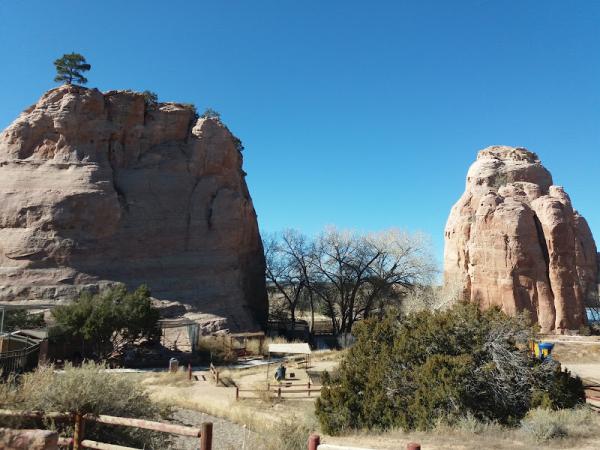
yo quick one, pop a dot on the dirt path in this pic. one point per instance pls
(226, 435)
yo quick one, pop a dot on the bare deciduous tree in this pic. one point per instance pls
(351, 275)
(356, 275)
(286, 268)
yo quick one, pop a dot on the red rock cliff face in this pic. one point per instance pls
(96, 188)
(514, 240)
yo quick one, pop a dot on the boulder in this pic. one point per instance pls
(103, 188)
(28, 439)
(513, 240)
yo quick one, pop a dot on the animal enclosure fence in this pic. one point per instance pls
(18, 360)
(78, 441)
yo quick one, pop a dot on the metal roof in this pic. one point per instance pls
(290, 348)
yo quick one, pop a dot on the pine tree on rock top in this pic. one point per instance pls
(69, 69)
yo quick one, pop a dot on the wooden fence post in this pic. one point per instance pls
(78, 433)
(309, 387)
(413, 446)
(279, 392)
(237, 393)
(189, 371)
(206, 436)
(313, 442)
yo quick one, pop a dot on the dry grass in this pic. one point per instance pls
(567, 429)
(543, 425)
(289, 434)
(218, 348)
(179, 378)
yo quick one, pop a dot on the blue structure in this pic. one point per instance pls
(593, 315)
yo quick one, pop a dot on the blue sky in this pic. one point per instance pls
(360, 114)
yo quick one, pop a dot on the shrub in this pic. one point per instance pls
(427, 367)
(109, 320)
(210, 113)
(20, 319)
(150, 99)
(440, 390)
(543, 425)
(216, 349)
(286, 434)
(561, 391)
(238, 144)
(89, 390)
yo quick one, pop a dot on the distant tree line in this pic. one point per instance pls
(20, 319)
(345, 275)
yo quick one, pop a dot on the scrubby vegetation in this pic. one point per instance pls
(543, 425)
(210, 113)
(108, 321)
(286, 434)
(150, 99)
(88, 389)
(20, 319)
(416, 371)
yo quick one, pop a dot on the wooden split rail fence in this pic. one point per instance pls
(281, 390)
(314, 443)
(77, 442)
(214, 373)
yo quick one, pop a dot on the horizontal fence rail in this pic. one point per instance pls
(86, 443)
(280, 391)
(214, 373)
(77, 442)
(314, 443)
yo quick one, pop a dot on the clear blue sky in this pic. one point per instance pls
(360, 114)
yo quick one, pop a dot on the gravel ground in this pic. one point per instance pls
(226, 435)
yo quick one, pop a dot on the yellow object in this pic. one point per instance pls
(535, 349)
(541, 353)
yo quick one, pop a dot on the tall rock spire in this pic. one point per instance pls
(514, 240)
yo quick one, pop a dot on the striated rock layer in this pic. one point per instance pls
(100, 188)
(515, 241)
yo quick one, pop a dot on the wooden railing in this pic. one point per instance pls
(78, 442)
(314, 443)
(281, 390)
(214, 374)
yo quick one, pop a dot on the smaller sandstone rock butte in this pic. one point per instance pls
(99, 188)
(515, 241)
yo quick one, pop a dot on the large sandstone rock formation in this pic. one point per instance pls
(100, 188)
(514, 240)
